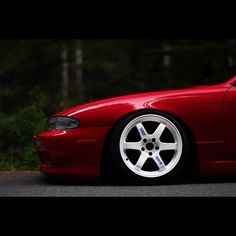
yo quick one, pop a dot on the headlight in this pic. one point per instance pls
(61, 123)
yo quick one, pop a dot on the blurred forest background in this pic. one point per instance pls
(41, 77)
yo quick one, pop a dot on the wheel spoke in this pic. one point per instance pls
(142, 159)
(132, 145)
(142, 131)
(159, 130)
(168, 146)
(137, 150)
(159, 162)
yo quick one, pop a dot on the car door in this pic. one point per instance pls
(229, 123)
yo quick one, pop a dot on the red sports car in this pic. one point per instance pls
(144, 137)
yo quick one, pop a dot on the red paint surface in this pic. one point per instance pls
(208, 111)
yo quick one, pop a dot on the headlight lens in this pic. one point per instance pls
(62, 123)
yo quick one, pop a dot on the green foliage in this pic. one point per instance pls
(17, 131)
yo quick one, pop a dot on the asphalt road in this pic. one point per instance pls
(35, 184)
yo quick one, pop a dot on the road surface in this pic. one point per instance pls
(14, 184)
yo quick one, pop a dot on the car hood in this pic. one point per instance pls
(111, 109)
(134, 99)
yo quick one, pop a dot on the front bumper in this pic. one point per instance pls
(75, 152)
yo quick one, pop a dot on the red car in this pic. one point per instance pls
(146, 137)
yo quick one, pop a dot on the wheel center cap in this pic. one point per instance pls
(149, 146)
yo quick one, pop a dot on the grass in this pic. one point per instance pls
(7, 166)
(19, 159)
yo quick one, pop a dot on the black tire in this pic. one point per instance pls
(126, 175)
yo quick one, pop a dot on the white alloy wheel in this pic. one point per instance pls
(150, 145)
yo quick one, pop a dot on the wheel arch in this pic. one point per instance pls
(193, 160)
